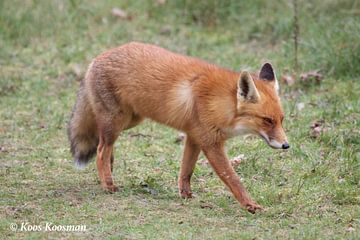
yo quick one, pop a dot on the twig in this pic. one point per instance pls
(296, 35)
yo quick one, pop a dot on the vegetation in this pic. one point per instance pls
(309, 192)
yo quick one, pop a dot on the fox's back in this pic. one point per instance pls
(152, 81)
(133, 61)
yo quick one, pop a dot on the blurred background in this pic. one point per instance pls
(231, 33)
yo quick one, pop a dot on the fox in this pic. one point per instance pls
(210, 104)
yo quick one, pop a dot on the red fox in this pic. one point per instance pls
(210, 104)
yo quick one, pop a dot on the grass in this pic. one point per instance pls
(309, 192)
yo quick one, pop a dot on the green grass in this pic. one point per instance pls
(311, 191)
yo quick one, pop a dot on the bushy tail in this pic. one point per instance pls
(82, 131)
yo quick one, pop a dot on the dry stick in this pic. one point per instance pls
(296, 35)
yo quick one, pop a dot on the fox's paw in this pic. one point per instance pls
(111, 188)
(252, 207)
(185, 193)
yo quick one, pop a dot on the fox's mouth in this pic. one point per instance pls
(272, 143)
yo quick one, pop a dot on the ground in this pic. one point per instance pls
(310, 191)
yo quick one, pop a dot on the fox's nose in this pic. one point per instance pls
(285, 146)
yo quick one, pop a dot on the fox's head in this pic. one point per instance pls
(259, 109)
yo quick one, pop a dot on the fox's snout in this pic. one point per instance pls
(278, 145)
(274, 143)
(285, 145)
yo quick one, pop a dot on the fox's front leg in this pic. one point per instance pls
(218, 160)
(190, 156)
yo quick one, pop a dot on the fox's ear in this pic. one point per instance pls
(246, 88)
(267, 74)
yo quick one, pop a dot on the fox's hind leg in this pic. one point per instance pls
(108, 132)
(109, 128)
(190, 156)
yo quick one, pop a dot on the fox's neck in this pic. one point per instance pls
(217, 90)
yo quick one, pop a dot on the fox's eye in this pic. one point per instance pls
(268, 121)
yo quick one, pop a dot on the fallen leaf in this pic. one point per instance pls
(237, 160)
(317, 128)
(120, 13)
(316, 131)
(350, 228)
(312, 76)
(161, 2)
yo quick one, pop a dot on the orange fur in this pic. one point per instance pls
(135, 81)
